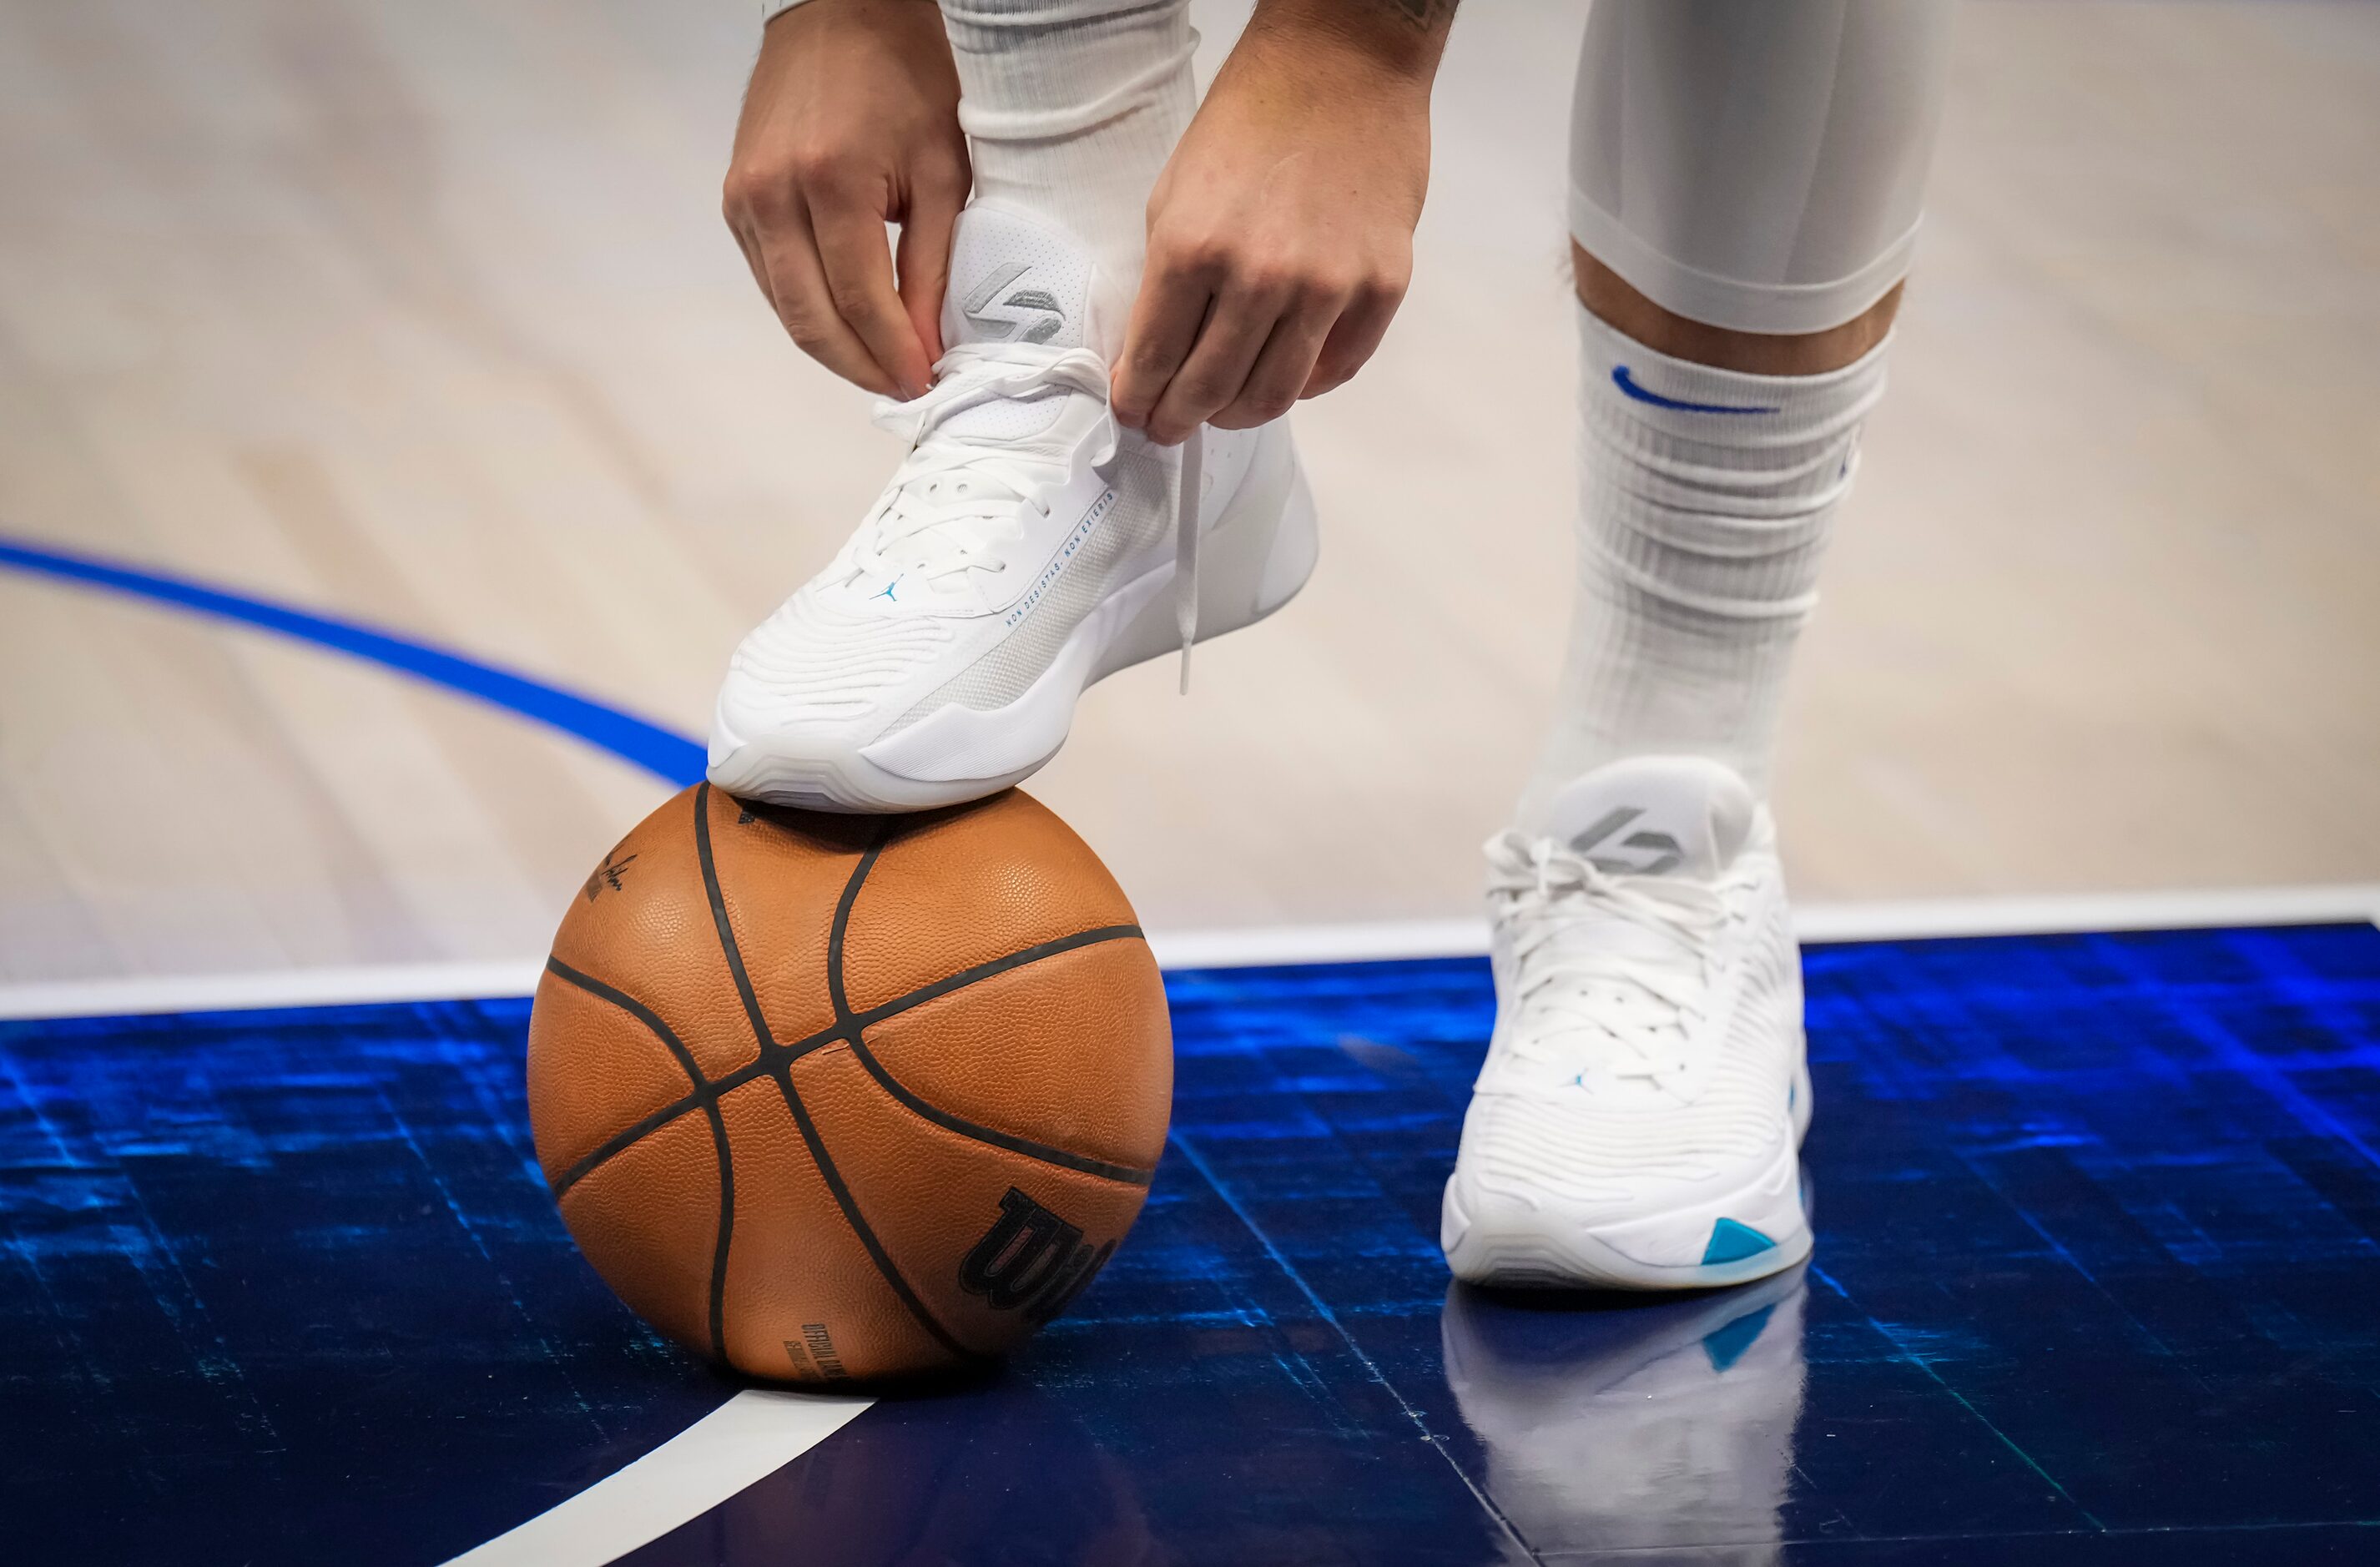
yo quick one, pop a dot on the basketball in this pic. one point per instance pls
(840, 1098)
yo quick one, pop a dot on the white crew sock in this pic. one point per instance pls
(1699, 539)
(1071, 107)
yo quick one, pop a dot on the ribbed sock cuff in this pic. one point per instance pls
(1073, 109)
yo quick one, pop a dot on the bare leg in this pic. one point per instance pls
(1613, 299)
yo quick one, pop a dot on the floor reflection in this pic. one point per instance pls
(1617, 1424)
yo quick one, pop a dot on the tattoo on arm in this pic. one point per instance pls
(1424, 14)
(1408, 33)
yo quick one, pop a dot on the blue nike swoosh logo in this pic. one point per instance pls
(1627, 384)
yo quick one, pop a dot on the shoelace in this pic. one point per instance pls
(956, 495)
(1621, 1002)
(1188, 497)
(951, 505)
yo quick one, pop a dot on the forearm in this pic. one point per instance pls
(1403, 39)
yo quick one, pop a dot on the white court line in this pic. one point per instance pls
(268, 988)
(1255, 947)
(743, 1440)
(1903, 920)
(2063, 914)
(1244, 948)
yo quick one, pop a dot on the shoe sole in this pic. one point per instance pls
(1254, 560)
(1546, 1253)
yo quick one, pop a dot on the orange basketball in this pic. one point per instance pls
(834, 1096)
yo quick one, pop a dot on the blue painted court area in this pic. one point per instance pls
(2097, 1281)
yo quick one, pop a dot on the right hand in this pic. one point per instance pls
(852, 122)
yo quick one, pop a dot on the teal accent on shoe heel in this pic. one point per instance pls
(1732, 1241)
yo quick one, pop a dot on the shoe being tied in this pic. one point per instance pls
(1027, 547)
(1638, 1121)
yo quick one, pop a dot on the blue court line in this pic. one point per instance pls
(632, 740)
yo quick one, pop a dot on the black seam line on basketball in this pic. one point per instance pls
(842, 924)
(783, 1061)
(735, 956)
(727, 943)
(850, 1206)
(709, 1102)
(846, 1026)
(717, 1087)
(704, 1095)
(965, 976)
(1125, 1173)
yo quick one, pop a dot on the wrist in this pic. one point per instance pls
(772, 10)
(1386, 46)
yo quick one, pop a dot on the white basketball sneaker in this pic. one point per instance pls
(1638, 1121)
(1028, 546)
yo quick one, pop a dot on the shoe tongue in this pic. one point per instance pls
(1016, 279)
(1654, 816)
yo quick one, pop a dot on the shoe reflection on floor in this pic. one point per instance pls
(1618, 1423)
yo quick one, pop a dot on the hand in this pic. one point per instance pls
(1280, 233)
(851, 122)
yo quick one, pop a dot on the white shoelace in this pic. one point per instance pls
(1611, 969)
(951, 505)
(953, 502)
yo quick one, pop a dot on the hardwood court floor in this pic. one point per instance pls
(422, 314)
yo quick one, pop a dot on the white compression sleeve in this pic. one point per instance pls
(1758, 165)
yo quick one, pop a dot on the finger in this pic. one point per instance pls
(753, 205)
(1165, 322)
(924, 257)
(796, 286)
(1283, 368)
(1217, 364)
(858, 268)
(749, 244)
(1352, 339)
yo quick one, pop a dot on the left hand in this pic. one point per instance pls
(1279, 235)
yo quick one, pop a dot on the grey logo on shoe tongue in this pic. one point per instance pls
(1666, 853)
(1026, 315)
